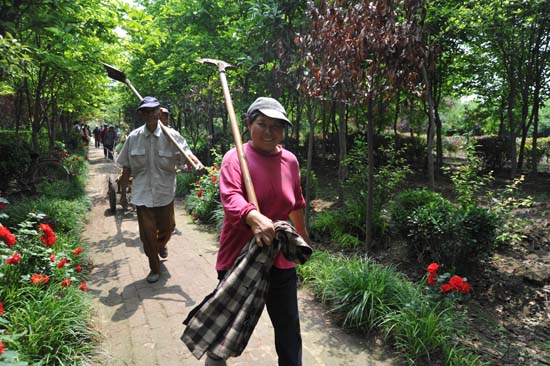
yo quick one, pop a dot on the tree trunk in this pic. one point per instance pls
(342, 150)
(431, 129)
(311, 140)
(370, 175)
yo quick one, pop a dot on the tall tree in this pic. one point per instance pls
(359, 50)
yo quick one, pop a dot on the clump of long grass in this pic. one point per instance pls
(370, 296)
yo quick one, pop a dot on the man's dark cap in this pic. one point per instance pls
(148, 102)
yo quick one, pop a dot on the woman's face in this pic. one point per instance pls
(266, 133)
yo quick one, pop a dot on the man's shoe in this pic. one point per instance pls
(214, 362)
(163, 252)
(152, 277)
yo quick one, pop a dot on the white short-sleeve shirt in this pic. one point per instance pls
(152, 159)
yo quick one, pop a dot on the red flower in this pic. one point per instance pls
(1, 348)
(456, 282)
(52, 257)
(7, 236)
(198, 182)
(14, 259)
(78, 268)
(432, 268)
(465, 287)
(39, 278)
(77, 251)
(195, 215)
(48, 237)
(446, 288)
(1, 308)
(66, 282)
(83, 286)
(432, 279)
(62, 263)
(213, 179)
(199, 193)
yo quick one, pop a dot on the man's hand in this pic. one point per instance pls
(262, 227)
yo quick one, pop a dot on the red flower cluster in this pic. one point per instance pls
(7, 236)
(78, 268)
(199, 193)
(66, 282)
(456, 283)
(14, 259)
(52, 257)
(213, 179)
(195, 215)
(83, 286)
(48, 236)
(62, 263)
(77, 251)
(39, 278)
(1, 348)
(432, 273)
(1, 308)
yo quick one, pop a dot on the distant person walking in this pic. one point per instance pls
(97, 139)
(109, 140)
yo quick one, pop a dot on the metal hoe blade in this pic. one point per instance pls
(115, 73)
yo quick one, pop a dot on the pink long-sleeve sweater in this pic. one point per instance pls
(276, 180)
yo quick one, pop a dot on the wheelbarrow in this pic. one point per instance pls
(114, 188)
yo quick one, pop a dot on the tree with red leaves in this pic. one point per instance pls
(359, 51)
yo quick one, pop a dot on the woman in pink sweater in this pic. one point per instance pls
(275, 174)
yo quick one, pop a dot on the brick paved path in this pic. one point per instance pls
(141, 323)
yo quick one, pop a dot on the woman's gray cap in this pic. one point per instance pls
(269, 107)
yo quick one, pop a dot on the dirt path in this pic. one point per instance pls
(141, 324)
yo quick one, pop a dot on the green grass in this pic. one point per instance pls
(45, 325)
(51, 326)
(370, 296)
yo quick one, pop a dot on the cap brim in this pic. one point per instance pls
(271, 113)
(148, 105)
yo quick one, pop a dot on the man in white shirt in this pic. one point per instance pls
(151, 159)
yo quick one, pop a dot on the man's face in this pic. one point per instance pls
(149, 115)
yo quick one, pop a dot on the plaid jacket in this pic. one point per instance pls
(223, 322)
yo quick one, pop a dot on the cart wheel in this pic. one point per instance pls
(112, 195)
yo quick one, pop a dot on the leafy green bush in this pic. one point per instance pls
(346, 225)
(185, 183)
(16, 159)
(478, 234)
(458, 236)
(72, 211)
(204, 201)
(432, 227)
(405, 203)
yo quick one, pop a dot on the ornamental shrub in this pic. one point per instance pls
(478, 235)
(458, 236)
(431, 228)
(16, 159)
(405, 203)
